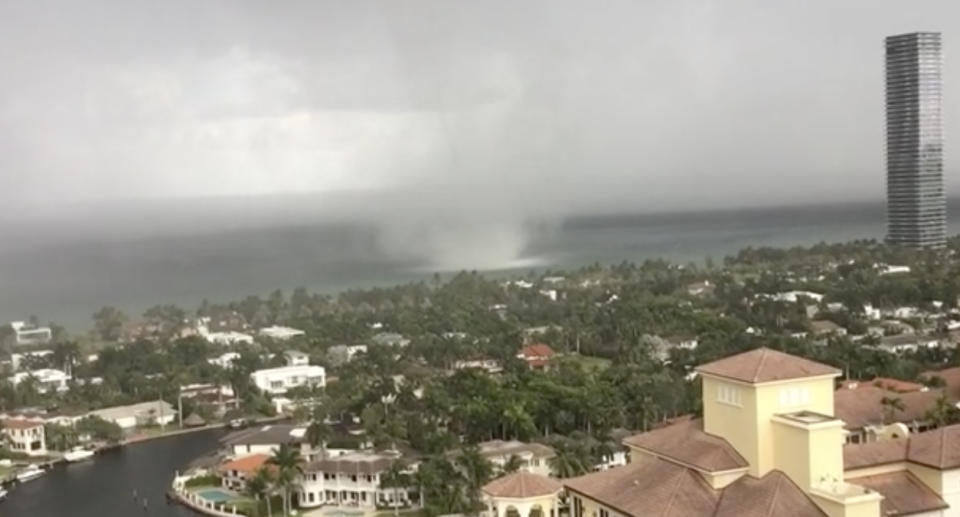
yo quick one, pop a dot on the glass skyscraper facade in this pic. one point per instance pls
(916, 204)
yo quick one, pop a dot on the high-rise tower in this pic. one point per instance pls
(916, 206)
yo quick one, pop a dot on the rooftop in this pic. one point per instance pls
(247, 464)
(521, 485)
(938, 449)
(18, 423)
(773, 495)
(687, 443)
(508, 448)
(863, 405)
(903, 494)
(267, 435)
(765, 365)
(353, 463)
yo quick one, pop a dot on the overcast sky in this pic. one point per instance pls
(588, 104)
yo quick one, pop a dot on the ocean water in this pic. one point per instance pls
(66, 275)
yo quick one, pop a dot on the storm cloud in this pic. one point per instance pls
(436, 116)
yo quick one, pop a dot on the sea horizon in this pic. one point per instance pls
(65, 278)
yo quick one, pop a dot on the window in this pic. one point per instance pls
(792, 397)
(727, 394)
(604, 512)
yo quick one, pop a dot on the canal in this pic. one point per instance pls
(104, 487)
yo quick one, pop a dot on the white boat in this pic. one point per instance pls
(30, 473)
(3, 494)
(77, 454)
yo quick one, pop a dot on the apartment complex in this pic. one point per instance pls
(916, 205)
(352, 480)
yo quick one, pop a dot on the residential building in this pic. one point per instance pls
(296, 358)
(918, 475)
(266, 439)
(340, 354)
(536, 356)
(24, 436)
(916, 205)
(351, 480)
(155, 412)
(281, 333)
(907, 343)
(27, 334)
(23, 359)
(826, 328)
(228, 338)
(278, 381)
(224, 360)
(491, 366)
(44, 379)
(524, 494)
(883, 409)
(767, 444)
(701, 288)
(534, 457)
(235, 473)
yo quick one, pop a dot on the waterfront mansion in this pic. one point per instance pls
(768, 445)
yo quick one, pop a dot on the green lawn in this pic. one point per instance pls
(415, 512)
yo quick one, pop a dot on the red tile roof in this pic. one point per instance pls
(246, 464)
(665, 489)
(537, 351)
(863, 405)
(521, 485)
(649, 487)
(773, 495)
(686, 442)
(903, 494)
(765, 365)
(19, 423)
(939, 449)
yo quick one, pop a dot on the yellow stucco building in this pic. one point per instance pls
(768, 445)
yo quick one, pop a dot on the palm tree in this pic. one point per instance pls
(318, 433)
(891, 405)
(396, 478)
(942, 413)
(288, 462)
(259, 486)
(567, 463)
(512, 464)
(476, 469)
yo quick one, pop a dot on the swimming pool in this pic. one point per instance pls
(217, 496)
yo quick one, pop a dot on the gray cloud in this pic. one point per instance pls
(490, 110)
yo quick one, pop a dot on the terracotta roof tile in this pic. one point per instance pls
(939, 449)
(537, 351)
(773, 495)
(246, 464)
(765, 365)
(522, 484)
(649, 487)
(686, 442)
(856, 456)
(862, 406)
(951, 376)
(19, 423)
(903, 494)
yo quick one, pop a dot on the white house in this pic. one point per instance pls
(352, 480)
(155, 412)
(224, 361)
(228, 338)
(277, 381)
(296, 358)
(17, 359)
(46, 379)
(267, 439)
(534, 457)
(25, 436)
(281, 333)
(27, 334)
